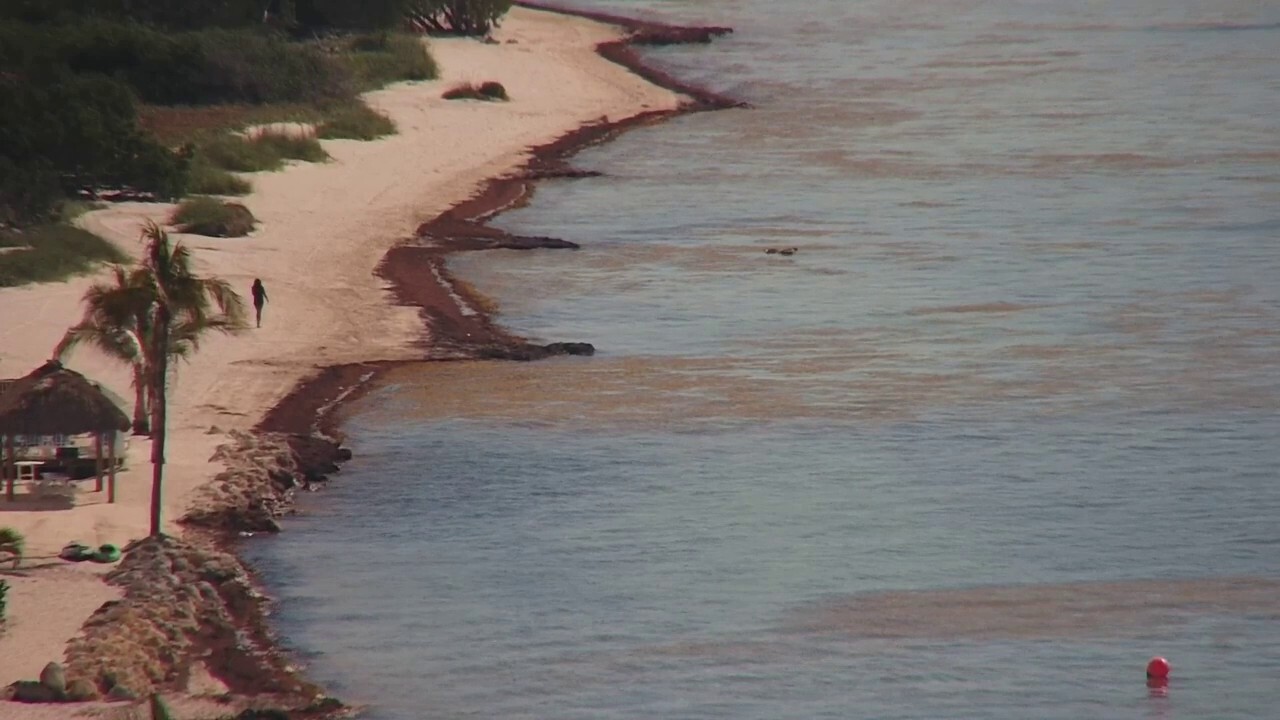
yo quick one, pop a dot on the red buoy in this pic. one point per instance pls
(1158, 671)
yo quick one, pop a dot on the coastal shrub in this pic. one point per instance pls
(363, 15)
(4, 600)
(459, 17)
(355, 121)
(238, 154)
(265, 150)
(12, 543)
(290, 145)
(256, 67)
(381, 58)
(46, 253)
(488, 90)
(212, 217)
(166, 13)
(207, 179)
(62, 133)
(208, 66)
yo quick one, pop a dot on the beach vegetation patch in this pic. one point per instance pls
(213, 218)
(12, 544)
(266, 150)
(458, 17)
(301, 145)
(4, 601)
(488, 91)
(208, 179)
(51, 252)
(209, 66)
(62, 134)
(381, 58)
(355, 121)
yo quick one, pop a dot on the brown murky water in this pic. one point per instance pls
(1002, 428)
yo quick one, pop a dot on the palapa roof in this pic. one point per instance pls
(53, 400)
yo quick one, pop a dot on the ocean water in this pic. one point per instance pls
(1003, 427)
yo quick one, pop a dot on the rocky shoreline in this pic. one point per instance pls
(191, 612)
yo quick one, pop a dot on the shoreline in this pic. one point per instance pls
(311, 406)
(451, 326)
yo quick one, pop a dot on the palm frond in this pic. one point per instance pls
(118, 343)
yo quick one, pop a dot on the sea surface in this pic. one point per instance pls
(1003, 427)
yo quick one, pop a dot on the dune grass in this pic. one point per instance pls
(265, 150)
(355, 121)
(52, 252)
(206, 179)
(377, 59)
(212, 217)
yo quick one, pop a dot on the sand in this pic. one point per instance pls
(325, 227)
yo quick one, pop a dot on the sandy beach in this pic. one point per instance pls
(325, 228)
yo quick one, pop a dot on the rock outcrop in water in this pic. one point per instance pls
(528, 352)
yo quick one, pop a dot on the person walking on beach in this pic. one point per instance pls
(259, 298)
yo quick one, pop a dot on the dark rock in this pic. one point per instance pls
(571, 348)
(32, 691)
(534, 242)
(528, 352)
(344, 454)
(267, 714)
(81, 690)
(679, 35)
(54, 678)
(323, 705)
(561, 173)
(120, 692)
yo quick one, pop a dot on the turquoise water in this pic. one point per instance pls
(1000, 430)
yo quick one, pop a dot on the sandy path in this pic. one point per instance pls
(324, 229)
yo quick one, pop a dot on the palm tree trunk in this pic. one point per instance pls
(160, 367)
(141, 383)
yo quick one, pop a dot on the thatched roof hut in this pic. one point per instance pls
(53, 400)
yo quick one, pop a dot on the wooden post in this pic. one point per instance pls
(10, 469)
(97, 459)
(111, 466)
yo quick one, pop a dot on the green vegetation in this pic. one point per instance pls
(381, 58)
(49, 252)
(71, 72)
(164, 309)
(4, 600)
(206, 179)
(141, 98)
(488, 91)
(459, 17)
(62, 133)
(267, 150)
(212, 217)
(356, 121)
(11, 543)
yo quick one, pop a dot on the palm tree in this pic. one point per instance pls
(182, 309)
(156, 312)
(117, 322)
